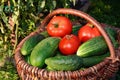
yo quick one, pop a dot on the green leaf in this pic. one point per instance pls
(2, 28)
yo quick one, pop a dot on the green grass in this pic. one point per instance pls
(8, 71)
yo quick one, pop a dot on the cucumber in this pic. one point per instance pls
(27, 59)
(43, 50)
(49, 68)
(71, 62)
(112, 35)
(58, 53)
(111, 31)
(30, 43)
(93, 47)
(76, 28)
(91, 61)
(45, 34)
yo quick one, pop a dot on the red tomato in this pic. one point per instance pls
(59, 26)
(69, 44)
(87, 32)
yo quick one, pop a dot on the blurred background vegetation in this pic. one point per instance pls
(20, 17)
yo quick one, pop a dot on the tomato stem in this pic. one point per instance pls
(91, 25)
(56, 25)
(68, 37)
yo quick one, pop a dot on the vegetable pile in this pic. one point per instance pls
(64, 46)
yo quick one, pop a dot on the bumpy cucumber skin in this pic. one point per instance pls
(93, 47)
(30, 43)
(91, 61)
(43, 50)
(64, 63)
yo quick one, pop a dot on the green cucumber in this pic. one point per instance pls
(43, 50)
(76, 28)
(49, 68)
(71, 62)
(112, 34)
(58, 53)
(91, 61)
(111, 31)
(27, 59)
(30, 43)
(45, 34)
(93, 47)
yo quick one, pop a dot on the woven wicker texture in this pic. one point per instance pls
(101, 71)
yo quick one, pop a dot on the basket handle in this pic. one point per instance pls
(88, 18)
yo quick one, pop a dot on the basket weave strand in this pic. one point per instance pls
(101, 71)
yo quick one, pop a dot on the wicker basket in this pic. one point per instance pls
(101, 71)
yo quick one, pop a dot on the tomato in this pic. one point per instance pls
(87, 32)
(59, 26)
(69, 44)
